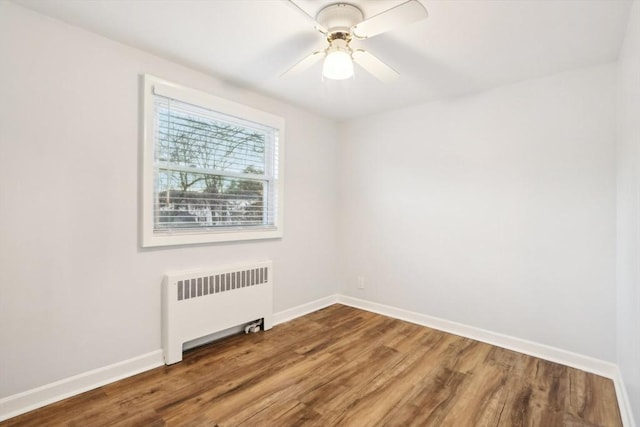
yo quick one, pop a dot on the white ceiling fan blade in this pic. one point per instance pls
(405, 13)
(305, 63)
(316, 24)
(379, 69)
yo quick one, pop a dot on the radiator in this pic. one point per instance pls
(201, 302)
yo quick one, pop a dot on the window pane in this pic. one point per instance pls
(195, 137)
(186, 200)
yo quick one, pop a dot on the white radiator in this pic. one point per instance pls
(202, 302)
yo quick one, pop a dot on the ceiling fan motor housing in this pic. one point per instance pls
(339, 17)
(340, 22)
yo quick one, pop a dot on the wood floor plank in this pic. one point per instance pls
(479, 400)
(338, 386)
(591, 397)
(378, 396)
(428, 402)
(348, 367)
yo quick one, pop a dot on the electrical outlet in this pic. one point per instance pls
(360, 282)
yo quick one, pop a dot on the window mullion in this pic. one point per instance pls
(178, 168)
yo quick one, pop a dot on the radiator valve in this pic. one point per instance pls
(253, 327)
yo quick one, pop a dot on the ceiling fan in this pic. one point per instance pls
(340, 23)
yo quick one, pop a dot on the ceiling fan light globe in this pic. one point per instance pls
(338, 65)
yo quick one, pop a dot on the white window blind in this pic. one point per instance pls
(213, 173)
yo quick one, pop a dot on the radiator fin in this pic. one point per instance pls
(217, 283)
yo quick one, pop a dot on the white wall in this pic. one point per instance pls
(495, 210)
(76, 291)
(628, 183)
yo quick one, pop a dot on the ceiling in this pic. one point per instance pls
(463, 47)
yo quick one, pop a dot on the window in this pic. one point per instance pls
(210, 168)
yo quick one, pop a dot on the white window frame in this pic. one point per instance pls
(149, 238)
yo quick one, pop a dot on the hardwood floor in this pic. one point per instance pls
(343, 366)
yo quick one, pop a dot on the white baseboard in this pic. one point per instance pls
(38, 397)
(623, 400)
(542, 351)
(32, 399)
(301, 310)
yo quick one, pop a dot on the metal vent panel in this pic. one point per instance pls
(224, 282)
